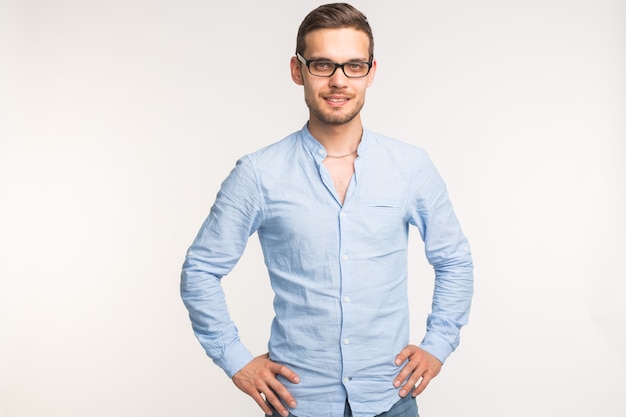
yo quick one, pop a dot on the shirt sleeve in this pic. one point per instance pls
(234, 216)
(448, 251)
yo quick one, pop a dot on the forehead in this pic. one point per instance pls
(337, 44)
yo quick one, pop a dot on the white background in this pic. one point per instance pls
(119, 120)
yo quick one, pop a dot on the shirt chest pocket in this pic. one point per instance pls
(381, 222)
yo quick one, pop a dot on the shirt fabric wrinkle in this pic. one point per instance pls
(330, 265)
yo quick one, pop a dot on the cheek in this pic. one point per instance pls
(307, 90)
(365, 87)
(311, 89)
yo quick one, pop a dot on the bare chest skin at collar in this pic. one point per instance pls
(341, 171)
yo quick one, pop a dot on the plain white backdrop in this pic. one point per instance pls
(119, 120)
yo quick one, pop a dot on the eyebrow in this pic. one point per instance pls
(330, 60)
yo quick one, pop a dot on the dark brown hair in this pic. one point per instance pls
(334, 16)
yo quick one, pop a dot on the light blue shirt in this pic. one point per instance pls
(339, 272)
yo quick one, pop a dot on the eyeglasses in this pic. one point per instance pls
(323, 68)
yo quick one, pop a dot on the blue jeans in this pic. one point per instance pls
(405, 407)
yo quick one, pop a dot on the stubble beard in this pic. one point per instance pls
(333, 118)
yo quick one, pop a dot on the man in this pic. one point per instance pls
(331, 204)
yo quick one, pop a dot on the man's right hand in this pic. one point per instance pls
(259, 377)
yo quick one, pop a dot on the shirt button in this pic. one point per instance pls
(346, 380)
(342, 214)
(321, 151)
(344, 257)
(346, 299)
(346, 341)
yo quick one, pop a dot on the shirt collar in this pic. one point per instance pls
(318, 151)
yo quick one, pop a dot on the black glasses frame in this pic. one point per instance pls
(308, 63)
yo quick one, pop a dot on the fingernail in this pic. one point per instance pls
(292, 404)
(403, 393)
(296, 379)
(285, 413)
(396, 384)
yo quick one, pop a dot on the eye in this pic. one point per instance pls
(357, 66)
(322, 65)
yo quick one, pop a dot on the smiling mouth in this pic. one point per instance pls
(337, 100)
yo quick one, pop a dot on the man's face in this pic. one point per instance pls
(334, 100)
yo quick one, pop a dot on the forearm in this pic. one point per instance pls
(204, 298)
(451, 306)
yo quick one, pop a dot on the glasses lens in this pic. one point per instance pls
(327, 68)
(356, 69)
(322, 68)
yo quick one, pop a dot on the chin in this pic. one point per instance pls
(334, 118)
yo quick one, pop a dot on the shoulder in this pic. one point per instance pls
(276, 151)
(394, 150)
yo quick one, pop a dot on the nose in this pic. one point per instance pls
(338, 79)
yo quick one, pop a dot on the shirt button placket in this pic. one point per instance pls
(345, 340)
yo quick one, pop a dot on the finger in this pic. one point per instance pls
(285, 371)
(403, 355)
(410, 384)
(404, 374)
(273, 399)
(407, 370)
(262, 403)
(419, 369)
(422, 386)
(279, 389)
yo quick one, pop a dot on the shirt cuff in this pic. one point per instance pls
(436, 346)
(234, 357)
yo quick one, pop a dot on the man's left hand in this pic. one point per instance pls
(421, 365)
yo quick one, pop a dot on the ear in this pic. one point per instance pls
(372, 73)
(296, 71)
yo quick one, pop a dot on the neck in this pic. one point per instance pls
(337, 139)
